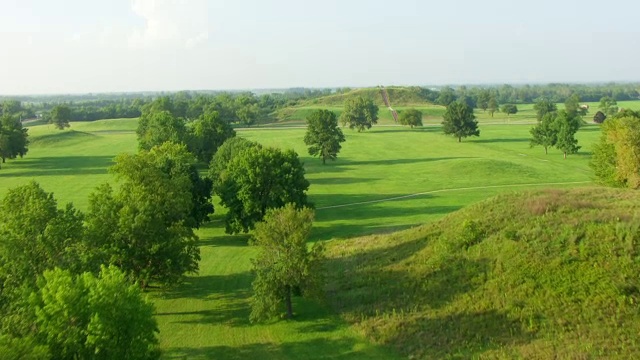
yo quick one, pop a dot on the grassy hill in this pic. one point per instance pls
(397, 96)
(543, 274)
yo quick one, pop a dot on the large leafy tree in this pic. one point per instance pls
(89, 317)
(229, 149)
(323, 135)
(156, 127)
(411, 117)
(567, 124)
(460, 121)
(359, 113)
(285, 265)
(209, 132)
(146, 228)
(258, 179)
(36, 236)
(572, 106)
(543, 107)
(13, 138)
(60, 116)
(545, 133)
(616, 157)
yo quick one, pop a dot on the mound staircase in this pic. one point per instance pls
(387, 103)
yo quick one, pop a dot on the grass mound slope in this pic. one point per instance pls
(397, 96)
(543, 274)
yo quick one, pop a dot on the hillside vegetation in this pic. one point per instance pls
(544, 274)
(397, 96)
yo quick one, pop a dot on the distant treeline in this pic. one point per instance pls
(243, 107)
(246, 107)
(527, 94)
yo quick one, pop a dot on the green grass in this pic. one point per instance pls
(545, 274)
(208, 316)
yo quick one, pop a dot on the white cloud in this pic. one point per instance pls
(170, 22)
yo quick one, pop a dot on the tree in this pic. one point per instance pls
(545, 133)
(13, 138)
(146, 228)
(359, 113)
(284, 265)
(599, 117)
(323, 135)
(616, 157)
(608, 106)
(572, 106)
(509, 109)
(567, 125)
(446, 97)
(222, 158)
(88, 317)
(544, 107)
(258, 179)
(411, 117)
(484, 96)
(492, 106)
(459, 121)
(209, 132)
(158, 127)
(36, 236)
(60, 116)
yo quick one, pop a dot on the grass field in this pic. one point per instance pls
(361, 193)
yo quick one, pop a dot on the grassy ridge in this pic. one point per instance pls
(547, 274)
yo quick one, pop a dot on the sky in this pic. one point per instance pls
(90, 46)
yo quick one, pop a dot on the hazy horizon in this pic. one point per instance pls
(80, 47)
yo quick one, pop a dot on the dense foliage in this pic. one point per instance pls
(616, 157)
(323, 135)
(411, 117)
(146, 228)
(257, 179)
(359, 113)
(460, 121)
(284, 266)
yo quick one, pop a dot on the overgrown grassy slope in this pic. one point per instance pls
(544, 274)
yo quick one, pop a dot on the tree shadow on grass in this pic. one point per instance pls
(229, 310)
(212, 287)
(500, 140)
(462, 335)
(239, 240)
(360, 284)
(388, 162)
(340, 181)
(63, 165)
(322, 348)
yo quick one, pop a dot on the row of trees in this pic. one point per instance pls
(557, 128)
(480, 96)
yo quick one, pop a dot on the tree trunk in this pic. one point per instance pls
(546, 152)
(287, 301)
(324, 160)
(459, 138)
(565, 154)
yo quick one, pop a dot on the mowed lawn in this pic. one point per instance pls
(385, 179)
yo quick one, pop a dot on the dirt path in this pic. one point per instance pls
(450, 190)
